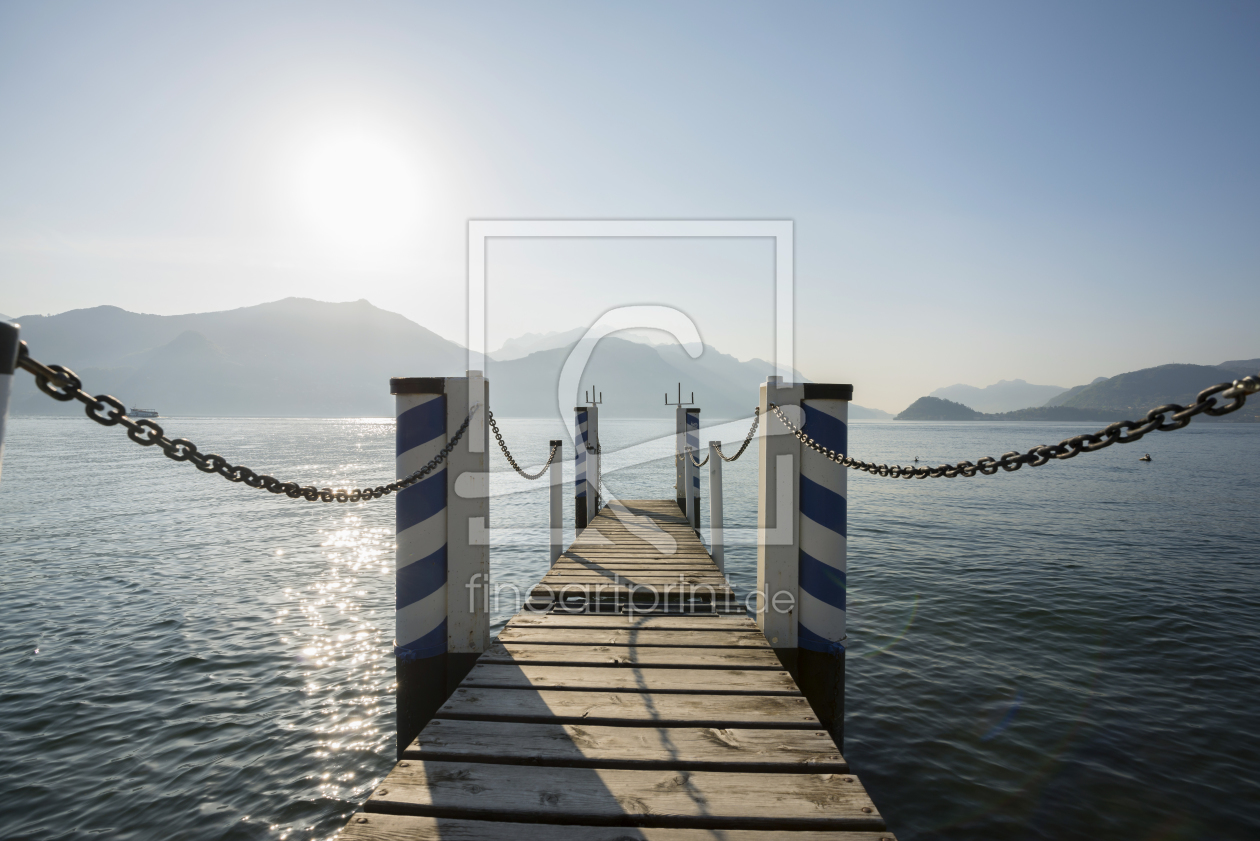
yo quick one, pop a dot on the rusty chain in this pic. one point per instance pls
(1120, 432)
(60, 383)
(494, 427)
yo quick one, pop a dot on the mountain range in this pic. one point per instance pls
(303, 358)
(1130, 395)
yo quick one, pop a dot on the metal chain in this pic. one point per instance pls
(60, 383)
(507, 455)
(747, 438)
(692, 454)
(1120, 432)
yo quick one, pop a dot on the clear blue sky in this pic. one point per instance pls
(980, 190)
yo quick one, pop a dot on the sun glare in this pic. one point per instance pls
(360, 191)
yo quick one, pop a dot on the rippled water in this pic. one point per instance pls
(1046, 654)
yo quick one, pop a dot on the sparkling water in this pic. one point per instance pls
(1066, 651)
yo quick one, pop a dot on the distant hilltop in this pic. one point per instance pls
(1125, 396)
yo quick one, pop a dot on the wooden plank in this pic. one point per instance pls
(736, 750)
(613, 797)
(381, 827)
(630, 709)
(641, 679)
(623, 655)
(653, 578)
(625, 636)
(687, 622)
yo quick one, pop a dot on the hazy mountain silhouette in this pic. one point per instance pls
(1002, 396)
(303, 358)
(521, 346)
(1124, 396)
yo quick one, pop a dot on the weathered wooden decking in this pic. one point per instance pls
(671, 724)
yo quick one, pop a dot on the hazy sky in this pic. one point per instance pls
(981, 191)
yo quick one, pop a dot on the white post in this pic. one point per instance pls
(778, 463)
(556, 476)
(715, 506)
(9, 344)
(690, 476)
(468, 525)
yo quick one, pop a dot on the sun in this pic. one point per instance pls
(360, 191)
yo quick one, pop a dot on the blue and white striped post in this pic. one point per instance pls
(693, 473)
(442, 555)
(801, 532)
(420, 557)
(823, 550)
(9, 343)
(581, 487)
(556, 508)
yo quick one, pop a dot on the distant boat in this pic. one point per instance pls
(1146, 457)
(142, 413)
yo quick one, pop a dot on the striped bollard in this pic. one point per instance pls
(442, 554)
(581, 505)
(594, 503)
(9, 344)
(715, 506)
(556, 476)
(823, 549)
(693, 485)
(680, 470)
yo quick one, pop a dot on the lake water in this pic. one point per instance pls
(1066, 651)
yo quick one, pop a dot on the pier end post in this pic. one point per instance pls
(556, 477)
(9, 345)
(581, 467)
(691, 473)
(593, 464)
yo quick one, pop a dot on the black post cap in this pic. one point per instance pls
(826, 391)
(8, 347)
(417, 385)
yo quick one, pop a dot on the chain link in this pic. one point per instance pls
(507, 455)
(1162, 418)
(747, 438)
(60, 383)
(692, 455)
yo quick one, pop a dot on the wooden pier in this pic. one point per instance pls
(613, 709)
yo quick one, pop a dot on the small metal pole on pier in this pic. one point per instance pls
(556, 476)
(801, 522)
(442, 555)
(9, 343)
(715, 506)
